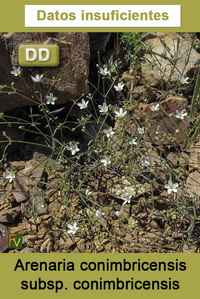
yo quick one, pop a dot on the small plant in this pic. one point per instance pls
(108, 162)
(134, 47)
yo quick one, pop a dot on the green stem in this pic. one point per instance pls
(26, 142)
(195, 95)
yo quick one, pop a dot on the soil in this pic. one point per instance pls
(141, 227)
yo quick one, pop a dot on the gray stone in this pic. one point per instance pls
(27, 180)
(9, 216)
(193, 183)
(35, 205)
(194, 162)
(26, 250)
(158, 67)
(3, 238)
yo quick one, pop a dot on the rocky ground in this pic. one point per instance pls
(41, 212)
(39, 205)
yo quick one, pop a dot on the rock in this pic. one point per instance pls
(193, 183)
(8, 190)
(128, 238)
(35, 204)
(71, 73)
(156, 215)
(158, 67)
(143, 92)
(98, 42)
(37, 201)
(57, 210)
(18, 164)
(129, 186)
(81, 245)
(100, 198)
(3, 238)
(194, 161)
(154, 158)
(21, 188)
(30, 238)
(62, 214)
(42, 232)
(32, 229)
(173, 158)
(142, 215)
(191, 249)
(9, 216)
(35, 170)
(26, 250)
(67, 242)
(154, 225)
(54, 207)
(100, 249)
(20, 229)
(47, 245)
(164, 129)
(44, 159)
(27, 181)
(184, 159)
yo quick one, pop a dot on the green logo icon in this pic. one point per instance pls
(38, 55)
(14, 240)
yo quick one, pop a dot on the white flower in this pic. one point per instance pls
(106, 160)
(154, 107)
(118, 213)
(184, 80)
(181, 114)
(88, 192)
(73, 147)
(72, 228)
(119, 86)
(103, 108)
(10, 175)
(133, 141)
(99, 213)
(126, 199)
(140, 130)
(109, 132)
(51, 99)
(83, 104)
(120, 113)
(104, 71)
(37, 78)
(171, 187)
(16, 71)
(145, 161)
